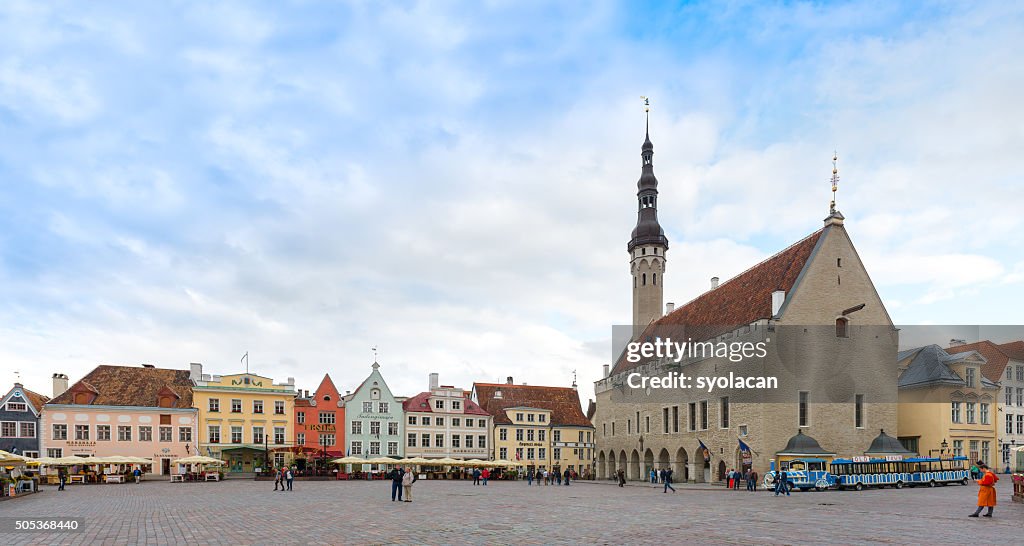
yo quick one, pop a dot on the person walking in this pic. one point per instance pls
(558, 477)
(529, 476)
(408, 479)
(622, 477)
(752, 480)
(974, 471)
(986, 491)
(138, 475)
(281, 478)
(289, 477)
(666, 476)
(486, 474)
(568, 474)
(396, 475)
(780, 484)
(277, 478)
(62, 477)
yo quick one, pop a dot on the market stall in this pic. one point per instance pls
(197, 469)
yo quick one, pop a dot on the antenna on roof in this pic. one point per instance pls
(835, 181)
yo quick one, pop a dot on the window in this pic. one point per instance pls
(60, 432)
(357, 427)
(81, 432)
(858, 411)
(33, 454)
(664, 420)
(1020, 373)
(166, 434)
(439, 421)
(974, 449)
(124, 433)
(357, 448)
(955, 406)
(456, 404)
(375, 428)
(278, 407)
(1020, 396)
(300, 417)
(481, 441)
(540, 435)
(693, 418)
(503, 434)
(958, 448)
(675, 418)
(55, 452)
(426, 420)
(236, 405)
(613, 428)
(1009, 424)
(367, 407)
(841, 327)
(703, 414)
(542, 453)
(482, 423)
(326, 440)
(257, 406)
(542, 418)
(723, 411)
(970, 413)
(985, 448)
(392, 448)
(519, 417)
(300, 438)
(213, 434)
(1009, 396)
(743, 430)
(529, 453)
(279, 460)
(503, 453)
(438, 404)
(803, 410)
(519, 435)
(557, 453)
(146, 434)
(9, 429)
(392, 429)
(102, 433)
(412, 440)
(456, 422)
(556, 436)
(412, 419)
(970, 377)
(382, 407)
(214, 405)
(326, 417)
(28, 429)
(469, 441)
(647, 424)
(984, 414)
(236, 434)
(456, 441)
(425, 440)
(519, 453)
(279, 435)
(529, 435)
(439, 440)
(1020, 424)
(17, 406)
(257, 436)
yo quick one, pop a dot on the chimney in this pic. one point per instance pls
(778, 298)
(606, 371)
(195, 371)
(509, 380)
(60, 384)
(291, 381)
(957, 342)
(714, 283)
(669, 307)
(433, 381)
(307, 393)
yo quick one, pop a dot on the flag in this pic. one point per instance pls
(704, 449)
(743, 446)
(209, 451)
(745, 452)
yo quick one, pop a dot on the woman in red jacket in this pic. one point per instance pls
(986, 490)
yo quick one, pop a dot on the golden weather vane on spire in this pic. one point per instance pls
(647, 103)
(835, 181)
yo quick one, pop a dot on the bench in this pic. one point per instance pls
(177, 478)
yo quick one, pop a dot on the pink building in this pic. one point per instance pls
(123, 410)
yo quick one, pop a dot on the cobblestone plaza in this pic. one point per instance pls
(445, 512)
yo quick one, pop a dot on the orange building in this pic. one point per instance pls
(319, 425)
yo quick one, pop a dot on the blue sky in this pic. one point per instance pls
(454, 183)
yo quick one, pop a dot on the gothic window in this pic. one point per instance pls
(644, 281)
(654, 278)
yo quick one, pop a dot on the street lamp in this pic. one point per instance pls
(944, 446)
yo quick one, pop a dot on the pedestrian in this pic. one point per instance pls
(62, 477)
(408, 479)
(666, 477)
(738, 478)
(281, 477)
(529, 476)
(974, 471)
(780, 483)
(567, 475)
(545, 471)
(486, 474)
(396, 475)
(289, 476)
(752, 480)
(476, 476)
(558, 476)
(138, 475)
(986, 490)
(277, 478)
(622, 477)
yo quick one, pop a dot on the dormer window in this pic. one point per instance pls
(970, 377)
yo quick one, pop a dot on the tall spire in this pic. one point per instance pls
(648, 244)
(835, 182)
(648, 230)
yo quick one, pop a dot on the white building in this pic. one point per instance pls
(445, 422)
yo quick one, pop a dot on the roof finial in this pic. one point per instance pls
(647, 114)
(835, 181)
(374, 349)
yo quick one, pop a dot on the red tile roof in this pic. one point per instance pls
(563, 402)
(37, 400)
(741, 300)
(420, 403)
(996, 358)
(131, 386)
(1014, 350)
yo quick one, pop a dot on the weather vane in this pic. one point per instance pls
(647, 103)
(374, 349)
(835, 180)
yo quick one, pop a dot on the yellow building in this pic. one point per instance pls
(539, 427)
(946, 405)
(245, 419)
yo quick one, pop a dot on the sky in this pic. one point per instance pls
(454, 183)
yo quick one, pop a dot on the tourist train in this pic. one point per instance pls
(860, 472)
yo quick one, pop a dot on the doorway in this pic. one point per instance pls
(165, 466)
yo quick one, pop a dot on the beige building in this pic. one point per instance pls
(815, 325)
(445, 422)
(946, 404)
(542, 428)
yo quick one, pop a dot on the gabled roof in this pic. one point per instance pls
(741, 300)
(562, 402)
(35, 400)
(130, 386)
(1014, 350)
(996, 358)
(421, 403)
(929, 365)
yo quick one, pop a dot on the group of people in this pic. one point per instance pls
(481, 476)
(553, 477)
(283, 477)
(401, 483)
(735, 478)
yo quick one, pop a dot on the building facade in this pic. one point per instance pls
(245, 419)
(445, 422)
(947, 405)
(19, 421)
(1005, 365)
(543, 428)
(319, 424)
(823, 339)
(123, 410)
(374, 421)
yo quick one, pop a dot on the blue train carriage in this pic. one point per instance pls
(804, 474)
(896, 471)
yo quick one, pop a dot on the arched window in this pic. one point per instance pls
(842, 327)
(645, 279)
(643, 251)
(327, 398)
(654, 279)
